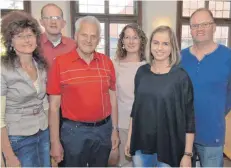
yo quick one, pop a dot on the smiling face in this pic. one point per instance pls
(202, 27)
(131, 41)
(52, 20)
(24, 42)
(87, 37)
(161, 47)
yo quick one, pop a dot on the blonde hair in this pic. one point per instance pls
(175, 53)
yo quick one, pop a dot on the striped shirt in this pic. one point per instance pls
(84, 87)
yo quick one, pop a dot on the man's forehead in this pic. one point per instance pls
(201, 16)
(88, 27)
(51, 10)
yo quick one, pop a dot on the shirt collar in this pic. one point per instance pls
(77, 57)
(44, 39)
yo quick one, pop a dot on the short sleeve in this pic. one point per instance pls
(53, 79)
(112, 76)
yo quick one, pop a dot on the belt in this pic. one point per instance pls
(91, 124)
(26, 111)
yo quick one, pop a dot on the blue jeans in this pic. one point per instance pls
(85, 145)
(210, 156)
(147, 160)
(34, 150)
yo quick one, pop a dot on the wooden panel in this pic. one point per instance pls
(227, 147)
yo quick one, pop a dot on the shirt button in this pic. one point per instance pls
(217, 140)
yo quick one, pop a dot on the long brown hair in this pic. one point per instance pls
(121, 53)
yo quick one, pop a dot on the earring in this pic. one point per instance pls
(123, 47)
(11, 48)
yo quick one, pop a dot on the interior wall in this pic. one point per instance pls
(155, 13)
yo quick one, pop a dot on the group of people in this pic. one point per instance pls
(140, 110)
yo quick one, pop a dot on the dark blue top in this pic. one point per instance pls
(162, 113)
(211, 78)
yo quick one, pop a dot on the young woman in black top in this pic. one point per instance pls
(162, 126)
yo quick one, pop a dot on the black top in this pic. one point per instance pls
(162, 113)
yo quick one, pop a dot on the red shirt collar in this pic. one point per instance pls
(96, 56)
(44, 39)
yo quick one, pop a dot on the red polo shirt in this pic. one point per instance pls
(84, 88)
(50, 52)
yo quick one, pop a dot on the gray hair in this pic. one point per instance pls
(89, 19)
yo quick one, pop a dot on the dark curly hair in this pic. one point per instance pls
(121, 52)
(12, 24)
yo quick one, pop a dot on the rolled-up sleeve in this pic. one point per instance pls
(53, 79)
(3, 109)
(3, 97)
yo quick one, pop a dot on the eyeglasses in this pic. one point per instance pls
(202, 25)
(52, 17)
(23, 37)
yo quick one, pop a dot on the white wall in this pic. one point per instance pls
(154, 14)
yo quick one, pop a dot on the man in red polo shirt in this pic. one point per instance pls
(83, 82)
(52, 41)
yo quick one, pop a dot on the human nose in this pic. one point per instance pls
(201, 27)
(160, 47)
(52, 20)
(26, 37)
(131, 40)
(88, 39)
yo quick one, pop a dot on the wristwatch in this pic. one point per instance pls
(190, 154)
(115, 128)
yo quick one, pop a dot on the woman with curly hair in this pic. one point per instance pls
(24, 120)
(130, 55)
